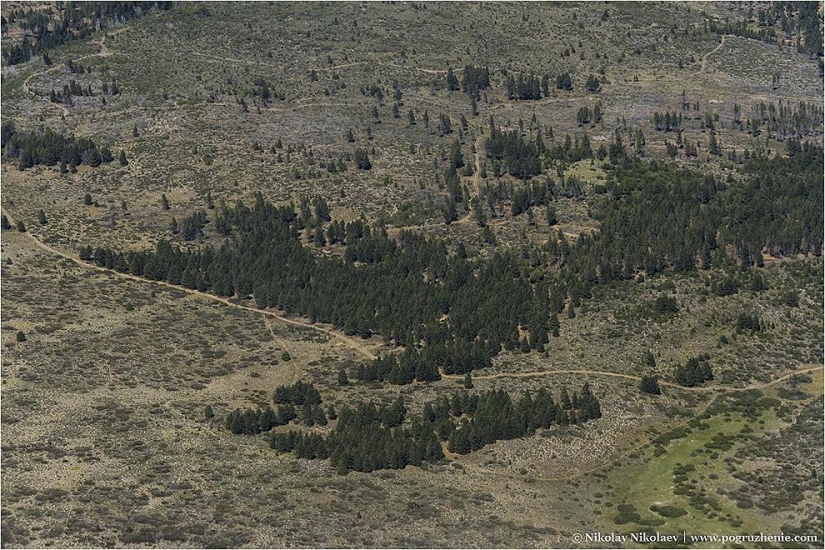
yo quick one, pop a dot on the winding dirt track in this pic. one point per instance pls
(701, 389)
(711, 52)
(352, 343)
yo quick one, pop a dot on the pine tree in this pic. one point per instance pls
(452, 80)
(87, 200)
(164, 202)
(564, 399)
(554, 324)
(362, 159)
(456, 157)
(122, 158)
(4, 222)
(550, 215)
(21, 227)
(343, 379)
(650, 384)
(713, 145)
(41, 218)
(593, 84)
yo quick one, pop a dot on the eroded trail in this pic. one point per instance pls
(711, 52)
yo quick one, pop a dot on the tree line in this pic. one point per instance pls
(473, 80)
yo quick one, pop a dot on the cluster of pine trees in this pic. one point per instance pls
(748, 321)
(584, 115)
(523, 88)
(661, 217)
(808, 27)
(192, 226)
(494, 415)
(741, 28)
(367, 438)
(695, 371)
(286, 398)
(524, 159)
(521, 158)
(779, 207)
(297, 394)
(650, 384)
(782, 121)
(564, 82)
(255, 421)
(69, 90)
(474, 79)
(50, 148)
(593, 84)
(727, 286)
(522, 197)
(796, 19)
(423, 365)
(370, 437)
(417, 294)
(667, 122)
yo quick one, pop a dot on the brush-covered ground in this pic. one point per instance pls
(105, 440)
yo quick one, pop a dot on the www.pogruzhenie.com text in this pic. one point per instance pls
(648, 537)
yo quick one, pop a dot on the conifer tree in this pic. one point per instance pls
(650, 384)
(452, 80)
(343, 379)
